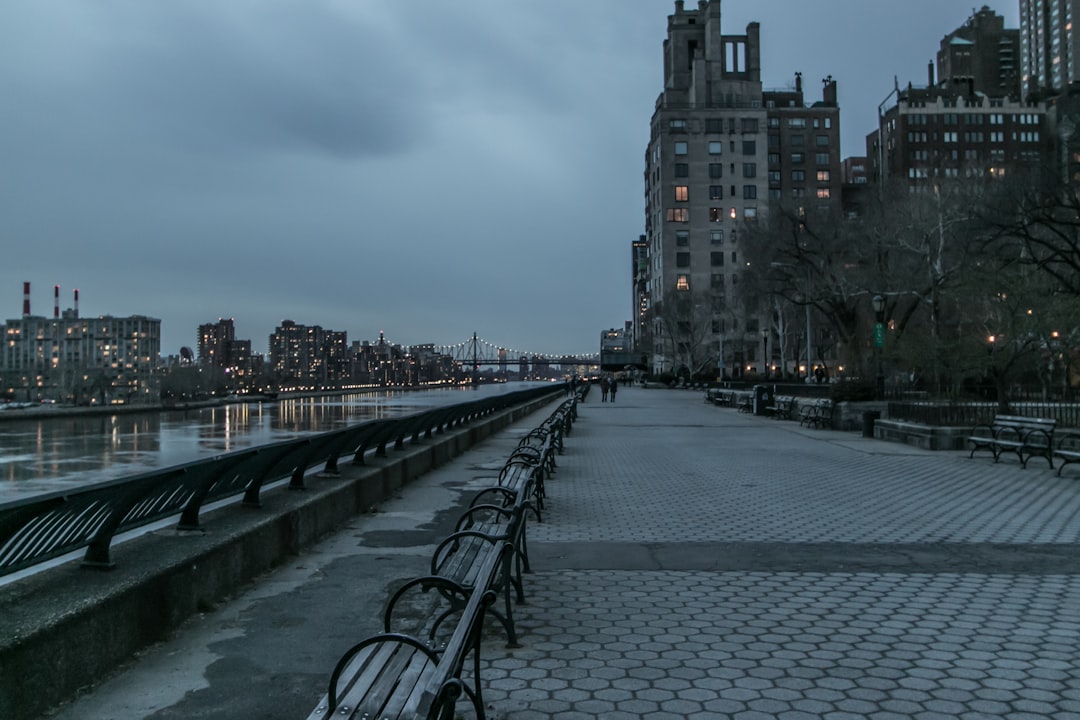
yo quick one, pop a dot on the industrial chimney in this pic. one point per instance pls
(56, 302)
(26, 299)
(76, 303)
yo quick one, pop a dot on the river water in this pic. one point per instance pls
(40, 455)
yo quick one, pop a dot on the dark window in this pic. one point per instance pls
(749, 192)
(716, 170)
(682, 170)
(749, 147)
(682, 259)
(716, 192)
(717, 259)
(749, 170)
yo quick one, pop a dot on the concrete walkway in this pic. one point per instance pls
(693, 562)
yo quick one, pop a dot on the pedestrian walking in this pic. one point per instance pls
(604, 386)
(612, 387)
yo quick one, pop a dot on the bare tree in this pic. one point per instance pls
(685, 331)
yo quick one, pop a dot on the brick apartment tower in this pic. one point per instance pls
(721, 149)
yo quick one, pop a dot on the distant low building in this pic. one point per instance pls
(70, 359)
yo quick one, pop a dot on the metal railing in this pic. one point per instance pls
(968, 414)
(47, 526)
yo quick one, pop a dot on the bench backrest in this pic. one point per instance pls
(445, 686)
(1024, 422)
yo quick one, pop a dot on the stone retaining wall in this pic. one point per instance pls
(64, 629)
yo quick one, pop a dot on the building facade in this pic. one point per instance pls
(945, 132)
(982, 55)
(704, 179)
(74, 360)
(1049, 46)
(722, 149)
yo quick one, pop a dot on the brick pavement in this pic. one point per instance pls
(693, 562)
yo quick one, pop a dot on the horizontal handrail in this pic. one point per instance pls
(37, 529)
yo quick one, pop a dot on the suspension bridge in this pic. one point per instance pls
(477, 352)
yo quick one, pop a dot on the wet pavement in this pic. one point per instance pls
(693, 562)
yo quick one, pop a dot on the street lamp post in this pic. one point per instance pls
(879, 343)
(765, 351)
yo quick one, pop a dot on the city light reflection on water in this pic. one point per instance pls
(45, 455)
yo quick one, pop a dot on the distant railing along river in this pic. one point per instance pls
(47, 454)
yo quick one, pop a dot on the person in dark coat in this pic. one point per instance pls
(612, 387)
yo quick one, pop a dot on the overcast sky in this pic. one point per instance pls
(426, 168)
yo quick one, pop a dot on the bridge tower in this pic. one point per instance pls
(475, 361)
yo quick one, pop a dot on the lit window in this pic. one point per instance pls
(823, 193)
(679, 215)
(682, 193)
(823, 175)
(716, 214)
(682, 282)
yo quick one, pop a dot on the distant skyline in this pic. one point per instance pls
(426, 169)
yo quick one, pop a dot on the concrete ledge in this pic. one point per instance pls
(927, 437)
(64, 629)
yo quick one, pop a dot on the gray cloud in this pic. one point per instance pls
(425, 168)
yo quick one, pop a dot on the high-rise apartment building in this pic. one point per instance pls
(983, 55)
(704, 179)
(214, 339)
(804, 149)
(298, 353)
(1049, 46)
(973, 120)
(721, 150)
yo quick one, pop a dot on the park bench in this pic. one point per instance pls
(398, 675)
(1027, 437)
(725, 398)
(418, 674)
(781, 407)
(1068, 448)
(745, 402)
(816, 414)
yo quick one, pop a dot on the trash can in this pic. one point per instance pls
(763, 397)
(868, 419)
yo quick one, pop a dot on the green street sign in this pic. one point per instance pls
(879, 335)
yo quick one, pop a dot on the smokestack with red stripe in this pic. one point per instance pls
(26, 299)
(56, 301)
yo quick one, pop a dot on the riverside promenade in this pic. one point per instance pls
(693, 562)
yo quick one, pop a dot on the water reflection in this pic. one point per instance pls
(63, 452)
